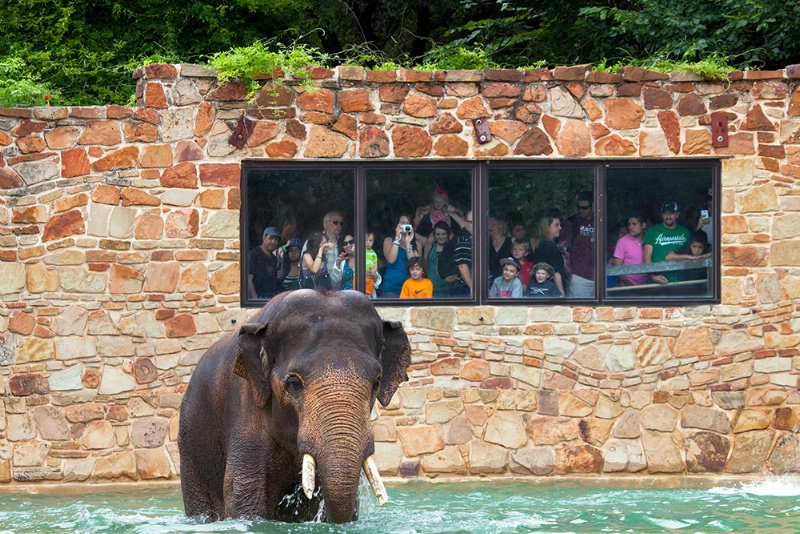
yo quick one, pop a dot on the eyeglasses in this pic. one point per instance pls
(349, 242)
(468, 220)
(584, 208)
(337, 223)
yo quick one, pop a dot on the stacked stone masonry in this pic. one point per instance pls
(119, 267)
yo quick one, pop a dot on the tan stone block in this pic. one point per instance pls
(545, 430)
(152, 463)
(507, 429)
(694, 342)
(785, 253)
(537, 460)
(652, 351)
(116, 465)
(750, 452)
(623, 455)
(748, 420)
(761, 198)
(663, 455)
(194, 279)
(448, 460)
(706, 452)
(226, 281)
(419, 440)
(212, 198)
(161, 277)
(98, 435)
(40, 279)
(530, 375)
(485, 458)
(661, 417)
(155, 156)
(442, 412)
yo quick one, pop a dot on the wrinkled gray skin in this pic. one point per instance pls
(300, 377)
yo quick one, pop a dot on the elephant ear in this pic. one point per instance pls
(395, 359)
(248, 363)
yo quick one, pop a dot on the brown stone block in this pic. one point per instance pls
(706, 452)
(691, 105)
(373, 143)
(5, 140)
(394, 93)
(411, 142)
(534, 143)
(31, 144)
(697, 142)
(772, 151)
(324, 143)
(140, 131)
(64, 224)
(450, 145)
(161, 277)
(507, 130)
(275, 95)
(410, 75)
(221, 174)
(638, 74)
(124, 158)
(285, 148)
(672, 129)
(352, 100)
(317, 117)
(137, 197)
(67, 203)
(763, 74)
(629, 89)
(502, 75)
(118, 112)
(234, 198)
(28, 127)
(622, 113)
(24, 385)
(432, 89)
(756, 120)
(741, 143)
(106, 194)
(320, 100)
(656, 98)
(446, 123)
(156, 156)
(381, 76)
(9, 179)
(124, 280)
(578, 459)
(154, 96)
(21, 323)
(535, 75)
(183, 175)
(230, 91)
(351, 73)
(16, 112)
(182, 224)
(29, 214)
(101, 132)
(723, 101)
(419, 106)
(576, 72)
(614, 145)
(347, 125)
(603, 77)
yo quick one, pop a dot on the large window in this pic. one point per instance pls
(508, 232)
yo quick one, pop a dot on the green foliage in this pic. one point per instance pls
(85, 51)
(713, 67)
(20, 89)
(453, 57)
(248, 62)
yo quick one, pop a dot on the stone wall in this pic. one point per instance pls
(119, 266)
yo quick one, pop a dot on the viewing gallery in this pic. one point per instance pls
(510, 202)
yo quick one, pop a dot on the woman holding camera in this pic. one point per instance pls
(396, 252)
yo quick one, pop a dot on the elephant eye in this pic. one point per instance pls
(376, 385)
(294, 385)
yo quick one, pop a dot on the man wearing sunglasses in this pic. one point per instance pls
(578, 235)
(332, 224)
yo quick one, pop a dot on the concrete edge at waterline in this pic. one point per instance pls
(648, 482)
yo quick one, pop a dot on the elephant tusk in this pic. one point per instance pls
(375, 482)
(309, 475)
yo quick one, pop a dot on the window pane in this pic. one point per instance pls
(296, 222)
(436, 203)
(544, 220)
(663, 217)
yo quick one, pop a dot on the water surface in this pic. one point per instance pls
(418, 507)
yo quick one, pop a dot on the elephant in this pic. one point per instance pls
(283, 403)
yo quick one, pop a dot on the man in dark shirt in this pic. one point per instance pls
(462, 254)
(262, 266)
(578, 235)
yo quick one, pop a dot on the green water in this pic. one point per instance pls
(499, 507)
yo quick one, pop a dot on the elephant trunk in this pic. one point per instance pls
(337, 433)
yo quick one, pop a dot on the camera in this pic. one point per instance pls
(406, 228)
(704, 214)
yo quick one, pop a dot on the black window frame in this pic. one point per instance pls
(480, 207)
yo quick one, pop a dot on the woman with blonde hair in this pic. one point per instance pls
(545, 249)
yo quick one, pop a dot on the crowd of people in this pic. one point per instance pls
(430, 254)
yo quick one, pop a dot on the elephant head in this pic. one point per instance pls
(316, 362)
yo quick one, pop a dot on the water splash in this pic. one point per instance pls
(774, 486)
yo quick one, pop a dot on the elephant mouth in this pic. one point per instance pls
(370, 470)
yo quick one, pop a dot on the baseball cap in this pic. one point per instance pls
(669, 205)
(510, 261)
(271, 230)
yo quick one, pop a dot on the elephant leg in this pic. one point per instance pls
(245, 495)
(198, 498)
